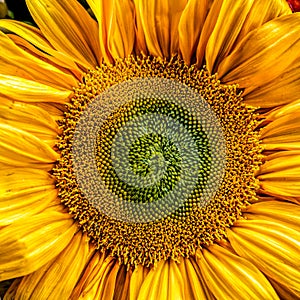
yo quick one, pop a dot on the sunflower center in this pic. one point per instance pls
(157, 158)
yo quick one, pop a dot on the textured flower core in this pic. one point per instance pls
(158, 161)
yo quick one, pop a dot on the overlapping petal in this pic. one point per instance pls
(16, 62)
(57, 279)
(280, 175)
(160, 21)
(25, 192)
(229, 276)
(263, 55)
(271, 246)
(61, 22)
(22, 149)
(29, 243)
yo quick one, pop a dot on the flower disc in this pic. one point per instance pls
(152, 166)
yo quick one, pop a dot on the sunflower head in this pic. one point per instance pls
(150, 151)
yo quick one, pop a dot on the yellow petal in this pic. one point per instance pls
(151, 285)
(11, 292)
(287, 214)
(229, 276)
(280, 174)
(25, 192)
(208, 27)
(34, 36)
(69, 28)
(32, 119)
(16, 62)
(282, 111)
(173, 279)
(273, 248)
(230, 20)
(136, 281)
(284, 291)
(283, 133)
(57, 279)
(20, 148)
(262, 12)
(252, 63)
(282, 90)
(90, 276)
(121, 289)
(193, 285)
(99, 279)
(190, 26)
(25, 90)
(160, 21)
(120, 29)
(30, 243)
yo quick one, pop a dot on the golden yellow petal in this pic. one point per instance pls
(16, 62)
(282, 133)
(287, 214)
(20, 148)
(175, 282)
(281, 90)
(140, 40)
(272, 247)
(160, 21)
(284, 291)
(151, 284)
(121, 289)
(229, 276)
(30, 243)
(282, 111)
(193, 285)
(95, 281)
(229, 23)
(279, 175)
(252, 63)
(208, 27)
(25, 192)
(136, 281)
(120, 29)
(69, 28)
(57, 279)
(190, 26)
(90, 275)
(34, 36)
(262, 12)
(11, 292)
(26, 90)
(32, 119)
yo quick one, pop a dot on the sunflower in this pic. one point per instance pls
(151, 150)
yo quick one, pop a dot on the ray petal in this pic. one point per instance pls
(271, 246)
(20, 148)
(279, 175)
(25, 192)
(273, 47)
(281, 212)
(229, 276)
(230, 20)
(190, 26)
(30, 243)
(160, 21)
(58, 277)
(32, 119)
(21, 89)
(16, 62)
(34, 36)
(282, 133)
(69, 28)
